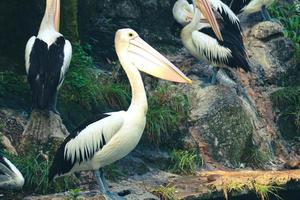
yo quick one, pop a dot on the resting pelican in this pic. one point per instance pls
(110, 139)
(199, 39)
(250, 6)
(10, 176)
(47, 59)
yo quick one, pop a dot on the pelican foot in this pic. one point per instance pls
(113, 196)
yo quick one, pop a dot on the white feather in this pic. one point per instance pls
(91, 137)
(256, 5)
(210, 46)
(67, 61)
(28, 50)
(13, 178)
(218, 5)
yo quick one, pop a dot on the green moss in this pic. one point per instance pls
(232, 128)
(287, 100)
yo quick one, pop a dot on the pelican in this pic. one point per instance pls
(246, 7)
(10, 176)
(110, 139)
(47, 58)
(199, 39)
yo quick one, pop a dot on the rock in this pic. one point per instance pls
(7, 145)
(270, 53)
(219, 115)
(266, 29)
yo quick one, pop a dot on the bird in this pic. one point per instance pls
(200, 40)
(246, 7)
(10, 176)
(47, 58)
(113, 137)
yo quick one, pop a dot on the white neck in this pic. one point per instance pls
(139, 98)
(49, 17)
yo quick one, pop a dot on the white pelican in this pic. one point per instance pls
(199, 39)
(10, 176)
(47, 59)
(110, 139)
(250, 6)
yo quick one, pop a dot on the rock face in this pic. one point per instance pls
(270, 52)
(99, 21)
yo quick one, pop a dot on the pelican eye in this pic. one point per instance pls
(130, 34)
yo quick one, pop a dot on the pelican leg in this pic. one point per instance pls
(99, 182)
(103, 186)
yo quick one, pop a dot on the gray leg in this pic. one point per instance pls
(103, 179)
(100, 183)
(103, 186)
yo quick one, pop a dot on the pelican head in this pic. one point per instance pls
(183, 12)
(134, 51)
(52, 15)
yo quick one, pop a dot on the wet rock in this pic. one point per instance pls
(270, 53)
(223, 123)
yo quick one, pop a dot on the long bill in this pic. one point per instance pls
(57, 16)
(208, 13)
(150, 61)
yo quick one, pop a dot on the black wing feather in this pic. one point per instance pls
(234, 42)
(60, 164)
(44, 72)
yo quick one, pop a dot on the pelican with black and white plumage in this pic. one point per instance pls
(47, 57)
(200, 40)
(110, 139)
(246, 7)
(10, 176)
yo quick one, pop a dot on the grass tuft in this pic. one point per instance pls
(184, 162)
(164, 192)
(167, 112)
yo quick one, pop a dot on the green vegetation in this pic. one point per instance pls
(74, 194)
(167, 111)
(34, 166)
(14, 89)
(112, 172)
(184, 162)
(264, 190)
(164, 192)
(289, 15)
(257, 158)
(287, 100)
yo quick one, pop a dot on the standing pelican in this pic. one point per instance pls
(47, 59)
(199, 39)
(250, 6)
(10, 176)
(110, 139)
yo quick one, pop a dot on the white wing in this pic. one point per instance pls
(209, 47)
(28, 50)
(93, 138)
(11, 177)
(67, 61)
